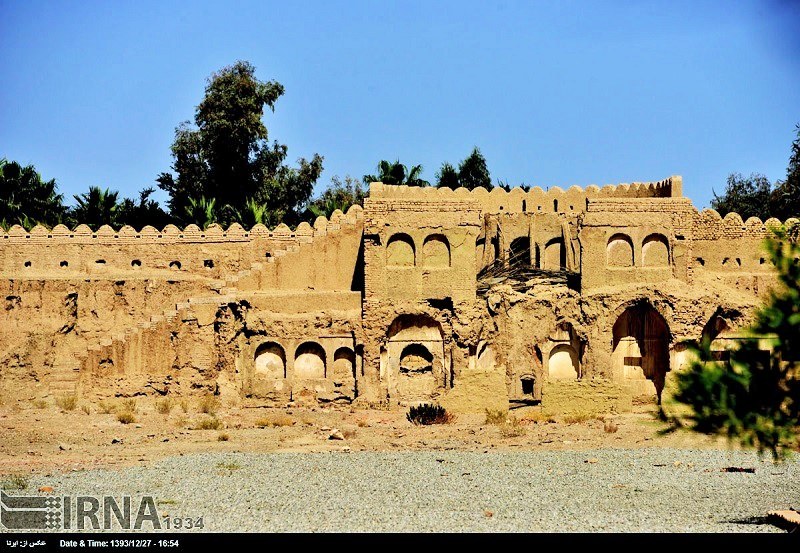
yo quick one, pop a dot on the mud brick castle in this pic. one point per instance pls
(578, 299)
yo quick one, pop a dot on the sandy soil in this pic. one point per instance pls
(43, 437)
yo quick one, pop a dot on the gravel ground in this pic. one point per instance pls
(613, 490)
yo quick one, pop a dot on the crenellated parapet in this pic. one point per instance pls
(710, 225)
(537, 199)
(214, 233)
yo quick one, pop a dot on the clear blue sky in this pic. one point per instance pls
(554, 93)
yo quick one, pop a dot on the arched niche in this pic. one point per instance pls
(655, 251)
(415, 358)
(640, 348)
(619, 251)
(563, 363)
(344, 363)
(436, 251)
(309, 361)
(270, 360)
(555, 255)
(400, 251)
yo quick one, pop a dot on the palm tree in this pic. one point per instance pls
(96, 208)
(202, 212)
(397, 173)
(27, 199)
(252, 214)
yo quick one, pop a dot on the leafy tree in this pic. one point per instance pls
(398, 174)
(753, 398)
(145, 212)
(25, 198)
(341, 194)
(95, 208)
(472, 173)
(447, 177)
(201, 212)
(749, 197)
(785, 200)
(227, 155)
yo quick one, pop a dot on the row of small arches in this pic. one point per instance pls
(310, 361)
(620, 251)
(401, 251)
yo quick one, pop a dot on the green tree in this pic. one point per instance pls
(398, 174)
(95, 208)
(753, 397)
(341, 194)
(749, 197)
(785, 200)
(472, 173)
(142, 213)
(447, 177)
(25, 198)
(227, 155)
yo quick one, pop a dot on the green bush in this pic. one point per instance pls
(754, 397)
(428, 413)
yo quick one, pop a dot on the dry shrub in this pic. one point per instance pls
(67, 402)
(209, 423)
(223, 437)
(185, 405)
(126, 417)
(496, 416)
(181, 422)
(164, 405)
(14, 482)
(86, 408)
(576, 418)
(428, 413)
(39, 403)
(275, 420)
(127, 405)
(512, 428)
(349, 433)
(362, 423)
(106, 407)
(537, 417)
(208, 404)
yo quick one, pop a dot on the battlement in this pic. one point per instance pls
(171, 234)
(554, 199)
(710, 225)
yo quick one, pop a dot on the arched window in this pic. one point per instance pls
(400, 251)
